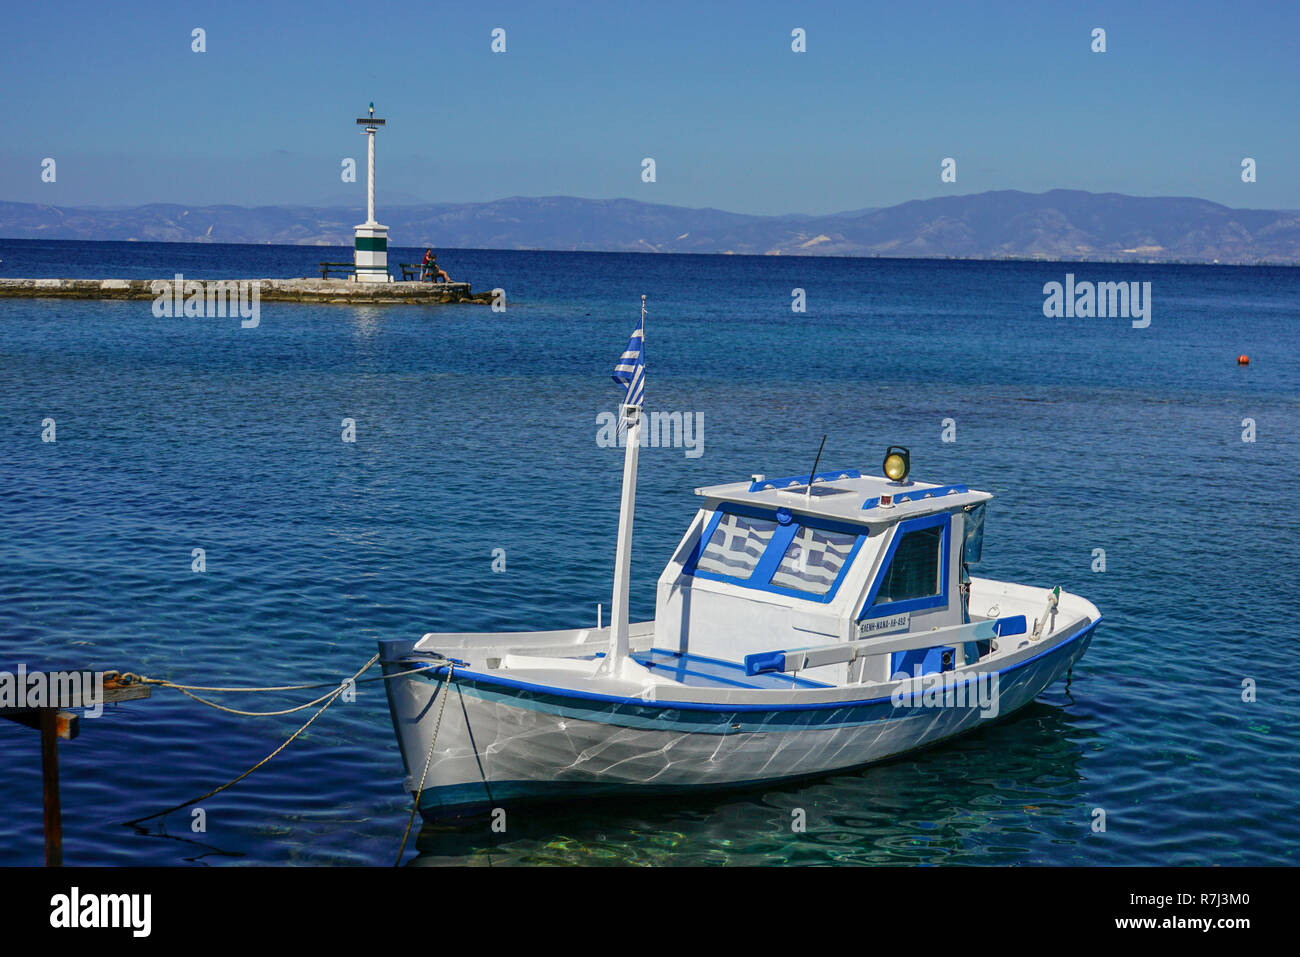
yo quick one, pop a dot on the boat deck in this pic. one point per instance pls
(697, 671)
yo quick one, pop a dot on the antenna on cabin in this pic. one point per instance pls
(813, 474)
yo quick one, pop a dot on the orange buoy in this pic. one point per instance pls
(1243, 360)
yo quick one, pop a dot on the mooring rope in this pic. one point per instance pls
(428, 759)
(1053, 600)
(331, 699)
(145, 679)
(254, 714)
(188, 691)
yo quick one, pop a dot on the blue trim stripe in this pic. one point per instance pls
(615, 709)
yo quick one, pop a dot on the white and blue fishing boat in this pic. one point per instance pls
(804, 625)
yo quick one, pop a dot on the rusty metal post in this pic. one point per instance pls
(50, 777)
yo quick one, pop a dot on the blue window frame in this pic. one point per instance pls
(873, 609)
(778, 556)
(735, 546)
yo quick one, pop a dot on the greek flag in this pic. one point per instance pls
(630, 371)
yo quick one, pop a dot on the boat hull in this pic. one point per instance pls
(501, 742)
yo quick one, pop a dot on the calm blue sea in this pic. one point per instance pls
(476, 431)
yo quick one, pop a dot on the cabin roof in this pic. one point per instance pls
(846, 495)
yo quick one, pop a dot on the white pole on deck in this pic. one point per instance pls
(618, 614)
(618, 634)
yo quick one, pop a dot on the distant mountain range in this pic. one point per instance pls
(1005, 224)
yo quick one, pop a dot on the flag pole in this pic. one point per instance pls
(618, 617)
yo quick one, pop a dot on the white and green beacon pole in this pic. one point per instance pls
(371, 250)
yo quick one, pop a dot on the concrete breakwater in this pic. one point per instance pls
(269, 290)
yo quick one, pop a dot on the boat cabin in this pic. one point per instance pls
(809, 560)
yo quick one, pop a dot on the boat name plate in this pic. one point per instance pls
(880, 626)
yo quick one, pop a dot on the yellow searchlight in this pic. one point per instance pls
(898, 462)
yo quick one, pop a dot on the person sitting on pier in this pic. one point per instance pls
(431, 268)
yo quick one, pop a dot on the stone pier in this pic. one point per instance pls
(342, 291)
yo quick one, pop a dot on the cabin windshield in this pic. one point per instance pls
(736, 545)
(804, 558)
(814, 559)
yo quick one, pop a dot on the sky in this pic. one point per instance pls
(584, 92)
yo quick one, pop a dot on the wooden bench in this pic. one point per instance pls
(346, 268)
(414, 272)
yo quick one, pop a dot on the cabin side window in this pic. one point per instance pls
(915, 571)
(813, 560)
(736, 545)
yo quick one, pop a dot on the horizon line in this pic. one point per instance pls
(1279, 264)
(859, 211)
